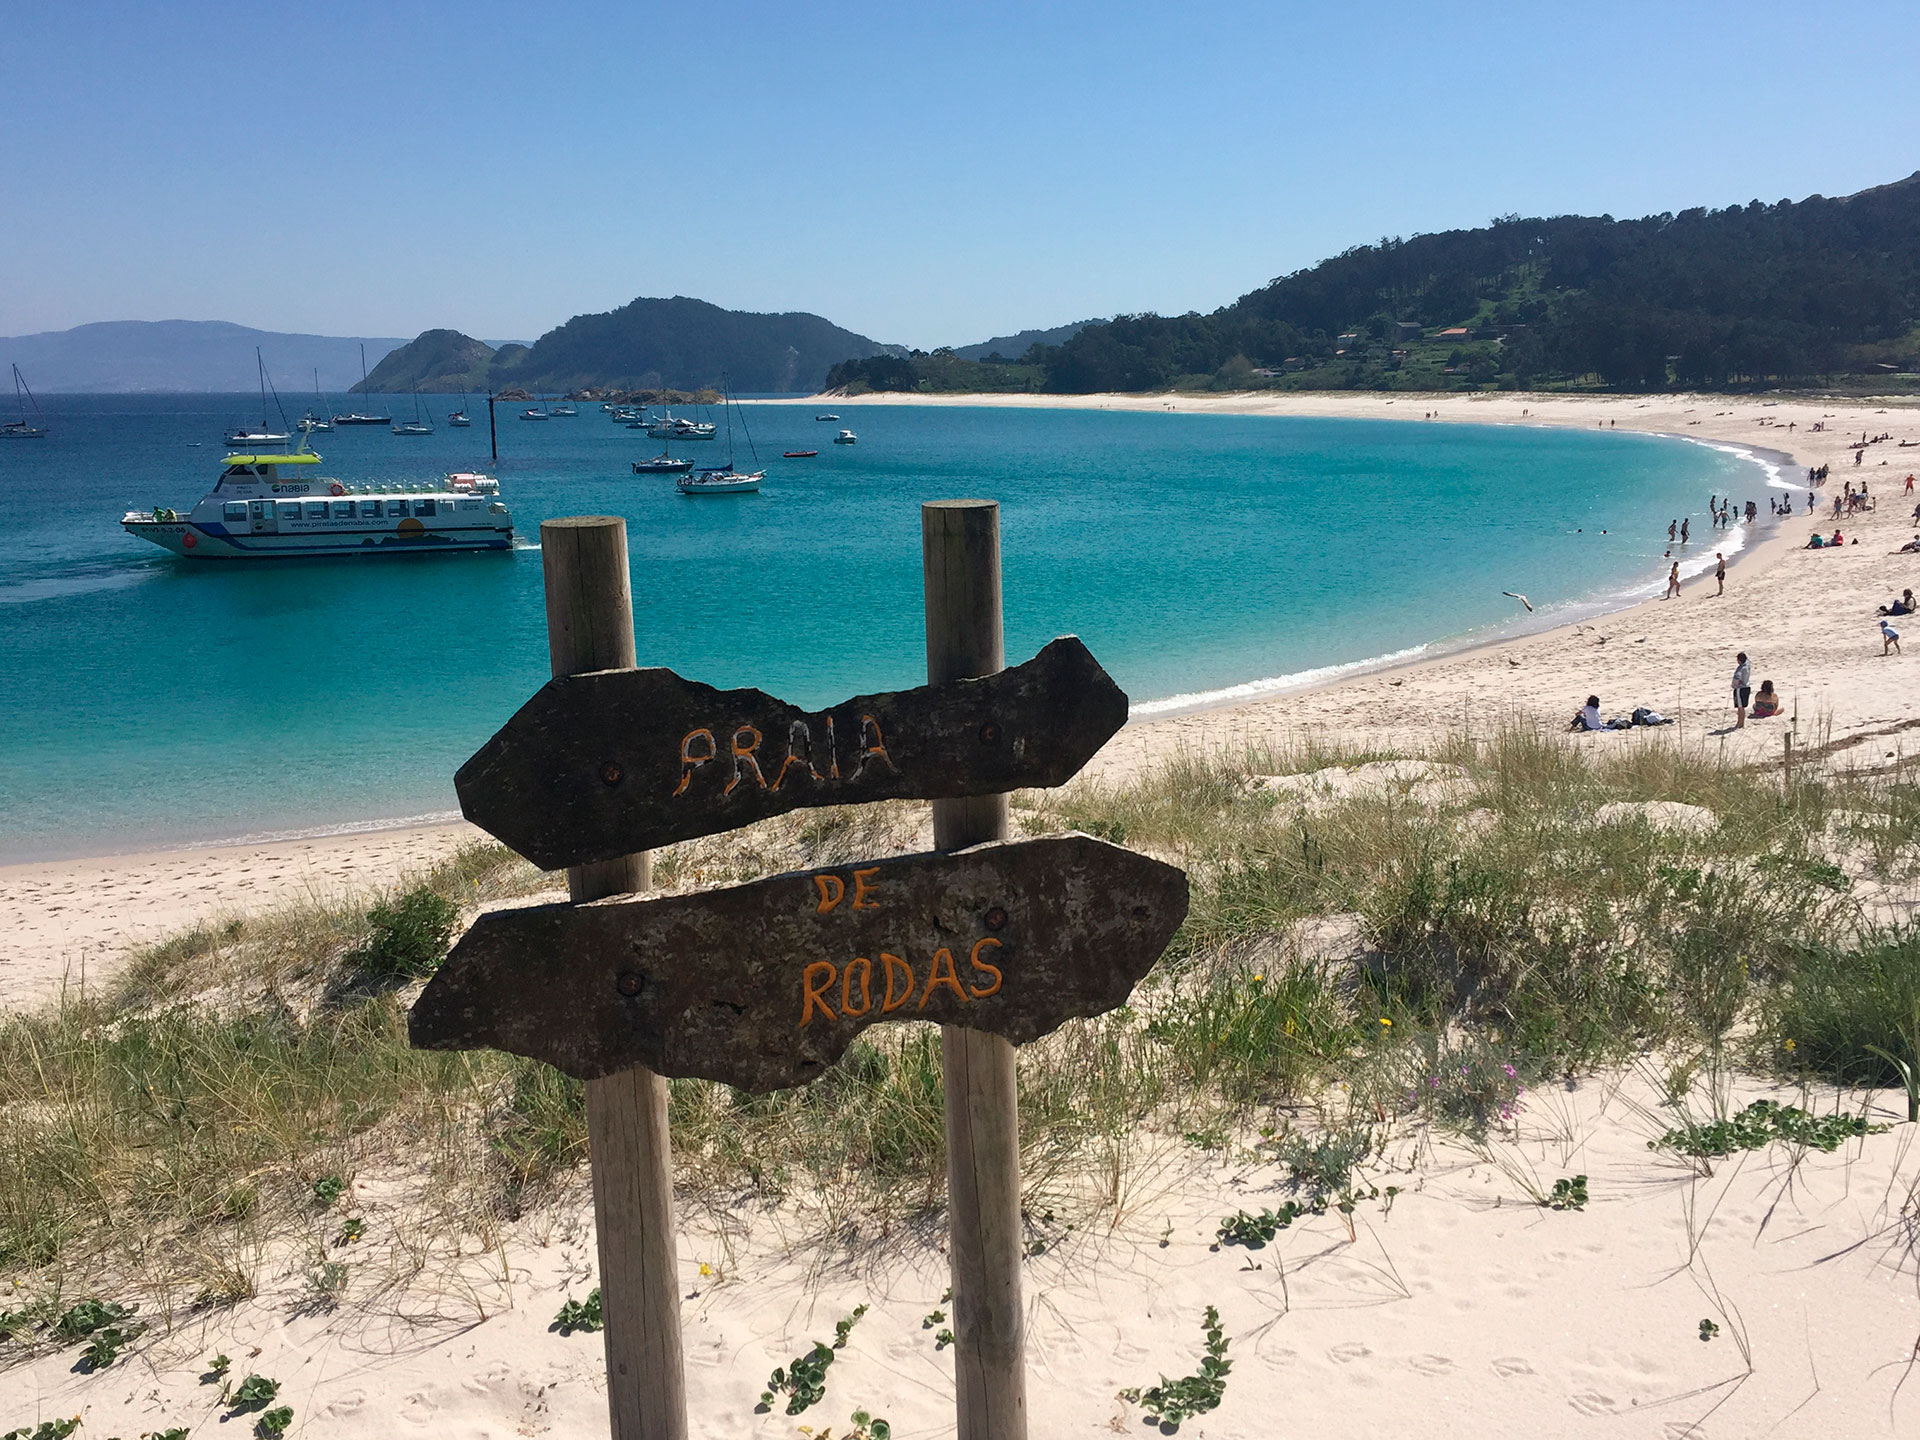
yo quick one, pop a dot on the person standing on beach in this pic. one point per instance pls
(1673, 582)
(1742, 689)
(1720, 573)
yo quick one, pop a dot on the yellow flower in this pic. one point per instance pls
(705, 1269)
(1259, 977)
(1789, 1046)
(1386, 1023)
(1289, 1025)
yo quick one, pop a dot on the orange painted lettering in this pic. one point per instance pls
(942, 959)
(894, 965)
(874, 748)
(812, 994)
(745, 753)
(984, 968)
(689, 762)
(866, 984)
(832, 891)
(860, 889)
(797, 731)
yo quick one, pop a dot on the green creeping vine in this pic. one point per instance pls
(580, 1314)
(804, 1379)
(1568, 1194)
(1172, 1401)
(1760, 1125)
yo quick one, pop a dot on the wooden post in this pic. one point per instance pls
(1788, 765)
(960, 550)
(590, 627)
(493, 431)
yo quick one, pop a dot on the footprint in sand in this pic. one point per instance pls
(711, 1356)
(418, 1409)
(1348, 1353)
(1508, 1366)
(345, 1405)
(1592, 1402)
(488, 1380)
(1431, 1364)
(1682, 1430)
(905, 1349)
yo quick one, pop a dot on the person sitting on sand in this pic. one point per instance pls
(1911, 546)
(1815, 542)
(1838, 539)
(1889, 639)
(1589, 716)
(1902, 606)
(1766, 704)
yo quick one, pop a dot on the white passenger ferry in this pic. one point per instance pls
(270, 505)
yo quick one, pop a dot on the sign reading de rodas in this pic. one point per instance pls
(617, 761)
(764, 985)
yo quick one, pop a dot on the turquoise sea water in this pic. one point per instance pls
(152, 701)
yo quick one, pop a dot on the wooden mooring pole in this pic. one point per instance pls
(960, 549)
(590, 627)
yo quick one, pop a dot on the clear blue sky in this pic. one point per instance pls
(923, 174)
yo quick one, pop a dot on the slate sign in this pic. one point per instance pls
(764, 985)
(614, 761)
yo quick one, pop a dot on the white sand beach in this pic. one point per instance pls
(1459, 1304)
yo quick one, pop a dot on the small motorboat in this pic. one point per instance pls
(846, 437)
(252, 439)
(826, 417)
(533, 415)
(798, 454)
(662, 465)
(459, 417)
(723, 481)
(413, 427)
(562, 412)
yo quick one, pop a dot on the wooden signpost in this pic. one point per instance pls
(765, 985)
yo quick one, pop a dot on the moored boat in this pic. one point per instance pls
(23, 428)
(662, 465)
(798, 454)
(721, 480)
(846, 437)
(266, 506)
(826, 417)
(356, 418)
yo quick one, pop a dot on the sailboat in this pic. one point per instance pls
(356, 418)
(244, 439)
(421, 424)
(459, 417)
(23, 428)
(313, 420)
(663, 463)
(725, 479)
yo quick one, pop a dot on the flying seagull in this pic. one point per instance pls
(1516, 595)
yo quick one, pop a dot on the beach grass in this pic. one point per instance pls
(1372, 943)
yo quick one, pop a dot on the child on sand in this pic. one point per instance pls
(1766, 704)
(1889, 639)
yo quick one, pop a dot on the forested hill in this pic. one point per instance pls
(1753, 294)
(645, 344)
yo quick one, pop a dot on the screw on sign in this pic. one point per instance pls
(764, 985)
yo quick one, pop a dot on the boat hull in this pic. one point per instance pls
(198, 541)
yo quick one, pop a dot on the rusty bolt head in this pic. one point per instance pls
(610, 772)
(990, 733)
(629, 983)
(996, 918)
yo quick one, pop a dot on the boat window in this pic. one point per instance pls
(369, 509)
(235, 472)
(316, 509)
(343, 509)
(289, 509)
(234, 510)
(469, 504)
(396, 508)
(423, 507)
